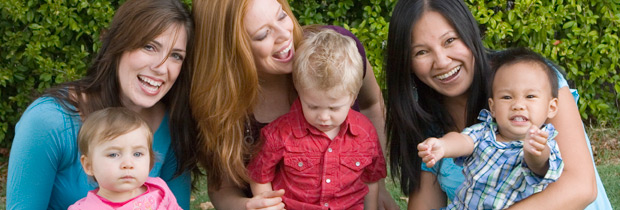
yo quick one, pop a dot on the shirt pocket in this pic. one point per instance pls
(304, 172)
(301, 163)
(355, 163)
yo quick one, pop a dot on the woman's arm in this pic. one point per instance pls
(36, 154)
(429, 196)
(370, 200)
(576, 187)
(230, 196)
(259, 188)
(371, 105)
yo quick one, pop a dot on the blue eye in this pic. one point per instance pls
(138, 154)
(113, 155)
(177, 56)
(149, 47)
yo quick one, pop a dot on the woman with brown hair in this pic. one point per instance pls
(141, 66)
(243, 81)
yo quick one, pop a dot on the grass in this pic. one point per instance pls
(605, 148)
(606, 151)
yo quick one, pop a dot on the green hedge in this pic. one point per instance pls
(44, 43)
(581, 36)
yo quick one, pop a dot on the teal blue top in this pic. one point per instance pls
(450, 175)
(44, 164)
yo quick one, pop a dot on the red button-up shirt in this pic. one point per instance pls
(315, 171)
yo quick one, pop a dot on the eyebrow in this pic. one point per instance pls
(160, 46)
(277, 13)
(440, 37)
(120, 148)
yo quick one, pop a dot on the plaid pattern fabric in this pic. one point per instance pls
(496, 175)
(315, 171)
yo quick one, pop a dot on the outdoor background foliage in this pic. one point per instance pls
(47, 42)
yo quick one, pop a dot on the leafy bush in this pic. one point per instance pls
(367, 19)
(581, 36)
(44, 43)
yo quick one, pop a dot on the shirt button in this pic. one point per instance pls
(357, 163)
(329, 149)
(300, 164)
(326, 205)
(328, 181)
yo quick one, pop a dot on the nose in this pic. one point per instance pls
(442, 60)
(324, 116)
(127, 163)
(281, 33)
(517, 104)
(159, 63)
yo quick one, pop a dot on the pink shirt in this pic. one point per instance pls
(315, 171)
(157, 196)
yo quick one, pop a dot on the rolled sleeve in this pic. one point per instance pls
(262, 167)
(376, 170)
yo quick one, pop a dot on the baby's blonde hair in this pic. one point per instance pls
(109, 123)
(328, 61)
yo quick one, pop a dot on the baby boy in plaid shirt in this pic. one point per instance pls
(512, 158)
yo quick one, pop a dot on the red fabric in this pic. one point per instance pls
(295, 156)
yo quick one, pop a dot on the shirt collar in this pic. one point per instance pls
(302, 128)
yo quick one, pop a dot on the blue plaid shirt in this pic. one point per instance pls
(496, 175)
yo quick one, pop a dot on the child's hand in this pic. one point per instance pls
(535, 141)
(267, 200)
(431, 150)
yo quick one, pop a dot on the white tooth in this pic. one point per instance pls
(519, 119)
(287, 49)
(450, 73)
(151, 82)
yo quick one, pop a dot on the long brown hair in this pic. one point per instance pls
(224, 86)
(136, 23)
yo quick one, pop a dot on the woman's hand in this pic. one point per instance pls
(386, 202)
(270, 200)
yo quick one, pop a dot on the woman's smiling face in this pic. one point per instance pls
(146, 74)
(440, 58)
(270, 30)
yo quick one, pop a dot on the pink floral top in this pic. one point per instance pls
(157, 197)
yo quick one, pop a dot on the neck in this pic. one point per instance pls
(152, 115)
(499, 137)
(275, 97)
(118, 197)
(457, 108)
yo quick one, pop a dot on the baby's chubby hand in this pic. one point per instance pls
(535, 141)
(431, 150)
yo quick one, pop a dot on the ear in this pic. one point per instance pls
(353, 101)
(86, 165)
(491, 107)
(553, 108)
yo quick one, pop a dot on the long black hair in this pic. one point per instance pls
(415, 110)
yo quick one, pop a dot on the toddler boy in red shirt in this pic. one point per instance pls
(324, 154)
